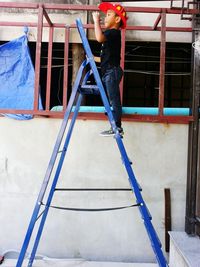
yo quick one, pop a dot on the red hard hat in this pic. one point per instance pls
(119, 10)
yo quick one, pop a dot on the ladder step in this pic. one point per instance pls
(93, 189)
(130, 162)
(140, 188)
(89, 89)
(148, 212)
(60, 151)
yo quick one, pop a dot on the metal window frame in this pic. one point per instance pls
(43, 12)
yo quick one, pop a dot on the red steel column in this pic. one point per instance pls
(122, 62)
(162, 63)
(49, 66)
(38, 56)
(65, 74)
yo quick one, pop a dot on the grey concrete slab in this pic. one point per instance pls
(185, 250)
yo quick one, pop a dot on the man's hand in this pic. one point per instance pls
(97, 28)
(96, 17)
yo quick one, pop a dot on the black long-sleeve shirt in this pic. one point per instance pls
(111, 49)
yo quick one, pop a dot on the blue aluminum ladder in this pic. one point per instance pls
(79, 89)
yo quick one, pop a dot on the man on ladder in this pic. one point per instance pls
(110, 56)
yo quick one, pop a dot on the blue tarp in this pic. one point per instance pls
(17, 78)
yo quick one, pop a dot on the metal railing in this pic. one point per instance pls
(42, 12)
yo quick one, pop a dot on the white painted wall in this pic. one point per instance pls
(59, 34)
(159, 155)
(138, 19)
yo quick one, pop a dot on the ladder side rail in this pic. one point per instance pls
(50, 168)
(55, 180)
(86, 77)
(132, 178)
(155, 245)
(155, 242)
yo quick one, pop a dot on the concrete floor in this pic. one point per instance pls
(75, 263)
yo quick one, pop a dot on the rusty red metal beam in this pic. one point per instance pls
(49, 66)
(176, 29)
(156, 22)
(139, 118)
(71, 7)
(94, 7)
(122, 63)
(162, 64)
(18, 5)
(101, 116)
(91, 26)
(159, 119)
(38, 57)
(168, 29)
(47, 18)
(160, 10)
(66, 65)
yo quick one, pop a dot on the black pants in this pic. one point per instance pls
(111, 79)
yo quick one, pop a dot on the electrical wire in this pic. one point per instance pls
(158, 73)
(153, 61)
(148, 56)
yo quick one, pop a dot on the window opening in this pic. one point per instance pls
(141, 74)
(141, 79)
(56, 96)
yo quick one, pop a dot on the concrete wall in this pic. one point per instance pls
(159, 155)
(11, 32)
(144, 19)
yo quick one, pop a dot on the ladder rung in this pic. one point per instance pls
(60, 151)
(89, 89)
(93, 189)
(90, 86)
(149, 214)
(130, 162)
(94, 209)
(140, 188)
